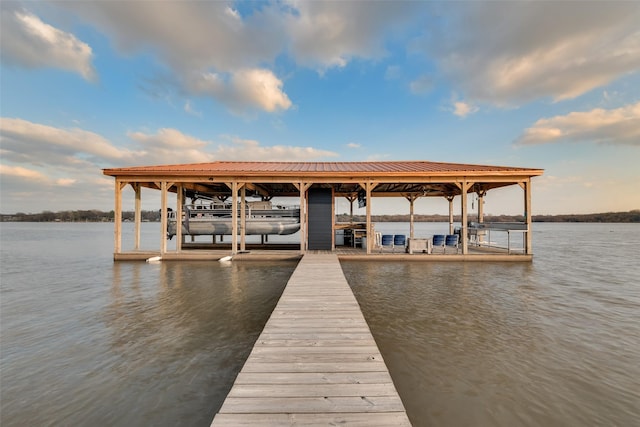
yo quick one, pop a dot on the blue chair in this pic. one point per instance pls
(451, 241)
(387, 241)
(438, 241)
(399, 240)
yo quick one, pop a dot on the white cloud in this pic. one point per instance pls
(508, 53)
(463, 109)
(330, 34)
(20, 172)
(251, 150)
(259, 88)
(37, 144)
(353, 145)
(170, 146)
(29, 42)
(54, 164)
(619, 126)
(226, 55)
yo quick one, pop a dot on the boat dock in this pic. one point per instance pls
(316, 362)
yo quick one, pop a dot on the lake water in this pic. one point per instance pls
(86, 341)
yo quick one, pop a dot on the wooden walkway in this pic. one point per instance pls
(316, 362)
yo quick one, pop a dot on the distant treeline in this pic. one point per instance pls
(631, 216)
(100, 216)
(92, 215)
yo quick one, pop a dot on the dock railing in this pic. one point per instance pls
(479, 230)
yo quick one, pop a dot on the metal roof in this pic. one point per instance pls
(321, 169)
(274, 179)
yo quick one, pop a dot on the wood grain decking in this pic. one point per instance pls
(316, 362)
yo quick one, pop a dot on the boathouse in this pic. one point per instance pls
(315, 186)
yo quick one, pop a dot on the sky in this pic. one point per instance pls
(102, 84)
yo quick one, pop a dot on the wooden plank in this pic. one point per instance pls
(316, 343)
(362, 349)
(385, 419)
(377, 365)
(316, 362)
(266, 405)
(311, 390)
(311, 378)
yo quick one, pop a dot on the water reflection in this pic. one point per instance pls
(180, 331)
(481, 344)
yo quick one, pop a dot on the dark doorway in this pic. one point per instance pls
(320, 203)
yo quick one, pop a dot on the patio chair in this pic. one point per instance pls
(438, 241)
(387, 241)
(451, 241)
(399, 240)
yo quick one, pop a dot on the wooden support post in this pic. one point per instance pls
(234, 217)
(179, 203)
(303, 187)
(411, 198)
(464, 232)
(137, 215)
(117, 218)
(481, 195)
(450, 200)
(351, 198)
(527, 217)
(369, 186)
(163, 218)
(243, 217)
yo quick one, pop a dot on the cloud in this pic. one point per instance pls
(393, 72)
(173, 146)
(510, 53)
(32, 143)
(20, 172)
(251, 150)
(463, 109)
(220, 54)
(353, 145)
(31, 43)
(188, 108)
(228, 55)
(620, 126)
(49, 163)
(329, 34)
(170, 146)
(421, 85)
(240, 91)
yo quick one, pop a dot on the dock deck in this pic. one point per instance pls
(316, 362)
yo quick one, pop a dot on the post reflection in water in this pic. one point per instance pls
(180, 331)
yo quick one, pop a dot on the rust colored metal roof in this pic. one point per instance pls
(321, 169)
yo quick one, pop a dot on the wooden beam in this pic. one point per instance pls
(137, 215)
(234, 217)
(527, 218)
(243, 218)
(163, 218)
(179, 203)
(464, 223)
(302, 188)
(450, 200)
(117, 218)
(411, 198)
